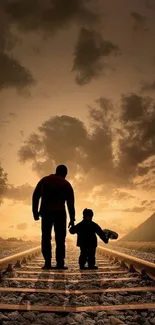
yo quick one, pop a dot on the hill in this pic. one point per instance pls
(144, 232)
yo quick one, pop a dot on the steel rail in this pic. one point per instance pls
(82, 291)
(65, 272)
(101, 280)
(133, 263)
(75, 309)
(129, 263)
(18, 258)
(113, 267)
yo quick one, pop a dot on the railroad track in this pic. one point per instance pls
(122, 285)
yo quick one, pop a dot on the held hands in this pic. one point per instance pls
(71, 223)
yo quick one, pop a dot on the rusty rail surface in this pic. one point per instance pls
(75, 309)
(82, 291)
(19, 257)
(131, 262)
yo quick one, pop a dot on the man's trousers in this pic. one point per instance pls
(58, 221)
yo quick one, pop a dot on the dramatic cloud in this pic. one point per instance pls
(138, 125)
(65, 140)
(60, 139)
(139, 22)
(149, 4)
(147, 182)
(48, 16)
(89, 52)
(135, 209)
(3, 184)
(149, 205)
(13, 74)
(21, 193)
(148, 86)
(22, 226)
(132, 107)
(118, 195)
(90, 153)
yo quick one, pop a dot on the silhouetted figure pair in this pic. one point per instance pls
(87, 240)
(54, 190)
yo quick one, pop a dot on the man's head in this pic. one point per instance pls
(88, 214)
(61, 170)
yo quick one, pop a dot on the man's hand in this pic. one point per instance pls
(36, 216)
(71, 223)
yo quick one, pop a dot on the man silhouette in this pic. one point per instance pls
(54, 190)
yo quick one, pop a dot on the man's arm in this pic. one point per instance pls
(35, 200)
(101, 233)
(70, 204)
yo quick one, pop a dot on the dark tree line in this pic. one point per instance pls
(3, 184)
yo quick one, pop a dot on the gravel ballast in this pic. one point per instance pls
(150, 257)
(144, 317)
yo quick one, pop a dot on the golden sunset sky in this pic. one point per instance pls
(77, 87)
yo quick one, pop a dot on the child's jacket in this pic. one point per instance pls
(86, 231)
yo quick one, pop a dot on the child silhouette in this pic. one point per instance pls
(86, 231)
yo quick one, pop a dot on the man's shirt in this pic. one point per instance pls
(54, 191)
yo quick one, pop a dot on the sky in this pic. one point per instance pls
(77, 86)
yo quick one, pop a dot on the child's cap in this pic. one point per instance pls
(88, 212)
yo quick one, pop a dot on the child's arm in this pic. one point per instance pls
(73, 230)
(101, 234)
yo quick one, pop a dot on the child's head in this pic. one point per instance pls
(88, 214)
